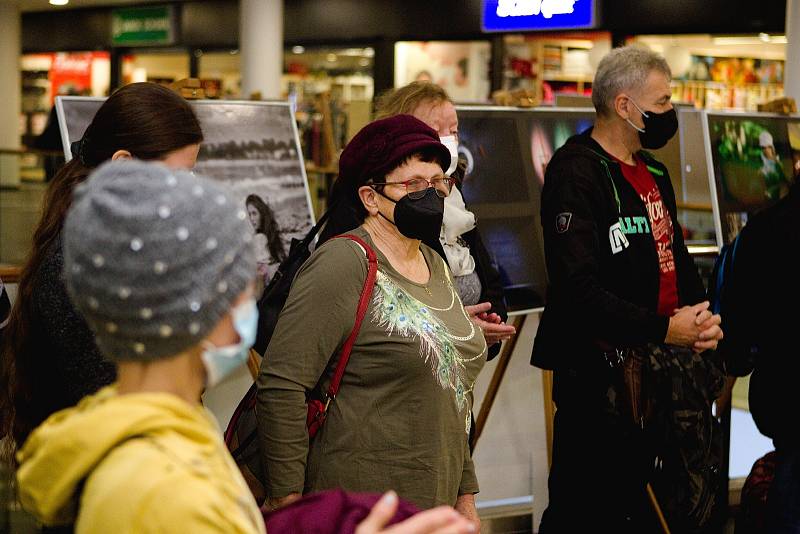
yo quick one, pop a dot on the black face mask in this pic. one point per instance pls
(419, 218)
(658, 127)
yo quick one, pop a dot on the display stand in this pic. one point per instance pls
(497, 378)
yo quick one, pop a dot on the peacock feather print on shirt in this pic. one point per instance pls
(400, 313)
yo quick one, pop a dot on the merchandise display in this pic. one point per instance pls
(752, 163)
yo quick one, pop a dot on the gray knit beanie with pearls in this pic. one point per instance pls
(154, 258)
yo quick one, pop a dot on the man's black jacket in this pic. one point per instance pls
(602, 262)
(759, 317)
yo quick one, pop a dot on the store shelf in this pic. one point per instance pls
(720, 95)
(551, 77)
(549, 65)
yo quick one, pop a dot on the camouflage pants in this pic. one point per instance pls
(677, 389)
(603, 458)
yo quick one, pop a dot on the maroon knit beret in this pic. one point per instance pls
(382, 145)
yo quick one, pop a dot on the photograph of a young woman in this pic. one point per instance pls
(267, 241)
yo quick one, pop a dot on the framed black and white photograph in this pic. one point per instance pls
(74, 115)
(254, 149)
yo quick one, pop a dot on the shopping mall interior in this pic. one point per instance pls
(520, 91)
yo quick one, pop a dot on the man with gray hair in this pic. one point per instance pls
(623, 290)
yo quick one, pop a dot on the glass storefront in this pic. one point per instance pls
(723, 72)
(460, 67)
(155, 66)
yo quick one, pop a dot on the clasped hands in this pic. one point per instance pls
(492, 325)
(695, 327)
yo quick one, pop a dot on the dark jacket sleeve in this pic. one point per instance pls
(491, 284)
(740, 301)
(574, 185)
(75, 357)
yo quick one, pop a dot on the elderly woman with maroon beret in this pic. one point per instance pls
(402, 415)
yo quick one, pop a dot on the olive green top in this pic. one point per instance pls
(402, 415)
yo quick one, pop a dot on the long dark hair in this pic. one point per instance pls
(149, 121)
(268, 226)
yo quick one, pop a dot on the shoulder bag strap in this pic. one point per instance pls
(363, 303)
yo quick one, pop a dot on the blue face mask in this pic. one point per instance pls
(222, 361)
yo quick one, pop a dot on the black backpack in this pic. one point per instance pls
(277, 291)
(241, 433)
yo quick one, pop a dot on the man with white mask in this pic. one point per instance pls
(477, 281)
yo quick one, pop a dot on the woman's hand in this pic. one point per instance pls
(465, 505)
(493, 327)
(279, 502)
(441, 520)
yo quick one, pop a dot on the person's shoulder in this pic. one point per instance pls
(338, 258)
(52, 264)
(575, 160)
(341, 249)
(196, 504)
(148, 470)
(49, 288)
(576, 148)
(574, 167)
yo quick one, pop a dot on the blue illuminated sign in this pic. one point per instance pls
(524, 15)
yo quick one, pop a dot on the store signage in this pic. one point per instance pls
(141, 26)
(528, 15)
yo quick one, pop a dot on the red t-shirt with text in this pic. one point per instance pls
(663, 233)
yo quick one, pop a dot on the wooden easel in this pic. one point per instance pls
(503, 360)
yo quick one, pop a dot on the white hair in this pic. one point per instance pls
(624, 69)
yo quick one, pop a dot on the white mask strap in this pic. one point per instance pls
(644, 114)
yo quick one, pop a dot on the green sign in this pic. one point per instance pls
(138, 26)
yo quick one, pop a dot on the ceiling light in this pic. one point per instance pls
(298, 49)
(59, 2)
(764, 37)
(331, 58)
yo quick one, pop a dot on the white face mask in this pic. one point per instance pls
(222, 361)
(452, 145)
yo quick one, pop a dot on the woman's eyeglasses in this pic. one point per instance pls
(417, 187)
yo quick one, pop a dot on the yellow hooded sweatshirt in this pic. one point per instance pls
(136, 463)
